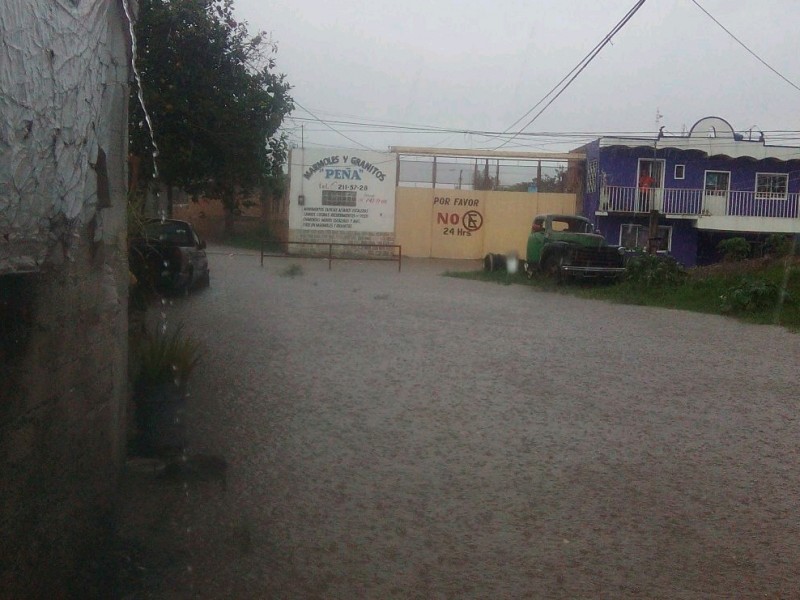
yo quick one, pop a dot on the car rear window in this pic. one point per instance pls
(170, 233)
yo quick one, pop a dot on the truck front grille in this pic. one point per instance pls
(596, 257)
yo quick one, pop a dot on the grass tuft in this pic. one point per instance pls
(292, 271)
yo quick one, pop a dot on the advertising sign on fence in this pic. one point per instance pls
(342, 190)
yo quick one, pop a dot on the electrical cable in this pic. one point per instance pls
(743, 45)
(555, 87)
(390, 128)
(575, 72)
(334, 129)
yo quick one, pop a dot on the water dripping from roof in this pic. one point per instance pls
(139, 90)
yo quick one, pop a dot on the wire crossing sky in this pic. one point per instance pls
(743, 45)
(467, 69)
(572, 75)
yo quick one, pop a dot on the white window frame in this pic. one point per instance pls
(683, 172)
(773, 195)
(722, 195)
(638, 225)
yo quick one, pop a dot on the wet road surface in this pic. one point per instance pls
(416, 436)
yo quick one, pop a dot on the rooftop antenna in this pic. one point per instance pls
(659, 116)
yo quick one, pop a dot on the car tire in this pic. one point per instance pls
(188, 285)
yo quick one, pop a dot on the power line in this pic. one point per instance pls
(555, 87)
(577, 70)
(371, 126)
(541, 138)
(434, 129)
(743, 45)
(333, 128)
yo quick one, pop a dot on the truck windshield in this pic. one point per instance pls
(571, 225)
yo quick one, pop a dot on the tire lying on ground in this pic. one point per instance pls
(494, 262)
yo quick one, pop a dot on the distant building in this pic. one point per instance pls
(707, 185)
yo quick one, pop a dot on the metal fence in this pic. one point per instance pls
(525, 175)
(398, 257)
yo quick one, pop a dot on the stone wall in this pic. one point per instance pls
(63, 290)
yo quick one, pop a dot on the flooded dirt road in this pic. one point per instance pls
(416, 436)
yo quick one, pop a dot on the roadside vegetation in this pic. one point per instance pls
(763, 290)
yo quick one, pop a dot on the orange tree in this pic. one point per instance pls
(215, 100)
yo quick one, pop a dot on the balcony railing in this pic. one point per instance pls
(693, 202)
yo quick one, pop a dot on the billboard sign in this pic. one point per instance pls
(342, 190)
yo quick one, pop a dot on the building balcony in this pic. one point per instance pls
(724, 210)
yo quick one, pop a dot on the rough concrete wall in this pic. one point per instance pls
(61, 69)
(63, 377)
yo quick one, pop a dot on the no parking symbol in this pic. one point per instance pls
(472, 220)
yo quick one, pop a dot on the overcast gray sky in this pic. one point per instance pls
(481, 65)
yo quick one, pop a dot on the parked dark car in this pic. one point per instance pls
(169, 256)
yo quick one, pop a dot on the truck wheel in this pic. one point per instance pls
(528, 268)
(552, 266)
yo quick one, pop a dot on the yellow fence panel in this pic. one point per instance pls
(449, 223)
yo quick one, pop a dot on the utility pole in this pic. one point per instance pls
(539, 176)
(652, 234)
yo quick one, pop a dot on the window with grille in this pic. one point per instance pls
(632, 236)
(772, 185)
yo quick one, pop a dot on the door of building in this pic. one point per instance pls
(650, 178)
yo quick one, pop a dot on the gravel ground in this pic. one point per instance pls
(406, 435)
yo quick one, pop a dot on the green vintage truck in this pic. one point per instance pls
(568, 246)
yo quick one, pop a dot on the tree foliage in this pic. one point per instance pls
(214, 97)
(555, 182)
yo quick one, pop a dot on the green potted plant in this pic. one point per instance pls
(165, 363)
